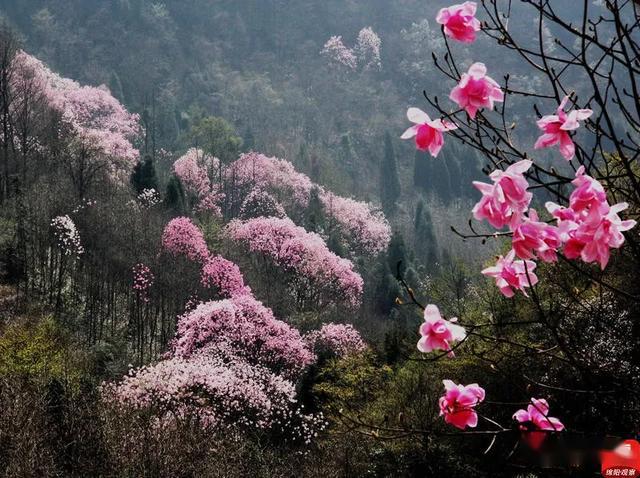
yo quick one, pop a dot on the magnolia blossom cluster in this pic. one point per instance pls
(368, 48)
(143, 280)
(337, 340)
(303, 253)
(67, 235)
(224, 275)
(336, 51)
(181, 237)
(84, 204)
(260, 172)
(366, 52)
(365, 227)
(221, 391)
(259, 203)
(193, 169)
(476, 90)
(149, 198)
(249, 328)
(588, 229)
(98, 118)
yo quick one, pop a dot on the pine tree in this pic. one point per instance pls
(115, 86)
(144, 175)
(397, 252)
(174, 198)
(348, 156)
(455, 178)
(314, 215)
(389, 183)
(303, 160)
(422, 170)
(425, 245)
(249, 140)
(441, 179)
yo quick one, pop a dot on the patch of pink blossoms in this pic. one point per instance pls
(223, 275)
(249, 328)
(181, 237)
(99, 119)
(337, 340)
(365, 227)
(193, 169)
(143, 280)
(459, 21)
(303, 253)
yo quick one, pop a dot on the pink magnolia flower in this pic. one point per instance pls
(438, 333)
(459, 402)
(536, 417)
(476, 90)
(533, 238)
(459, 21)
(556, 129)
(428, 132)
(512, 275)
(507, 199)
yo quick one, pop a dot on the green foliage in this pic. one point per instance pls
(389, 183)
(35, 349)
(353, 380)
(216, 137)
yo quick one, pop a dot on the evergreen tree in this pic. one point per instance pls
(303, 160)
(455, 178)
(174, 199)
(397, 252)
(144, 175)
(389, 183)
(249, 140)
(335, 244)
(314, 215)
(348, 156)
(115, 86)
(422, 170)
(425, 244)
(387, 288)
(441, 179)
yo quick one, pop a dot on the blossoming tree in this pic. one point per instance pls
(588, 108)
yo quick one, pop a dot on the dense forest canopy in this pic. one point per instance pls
(298, 238)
